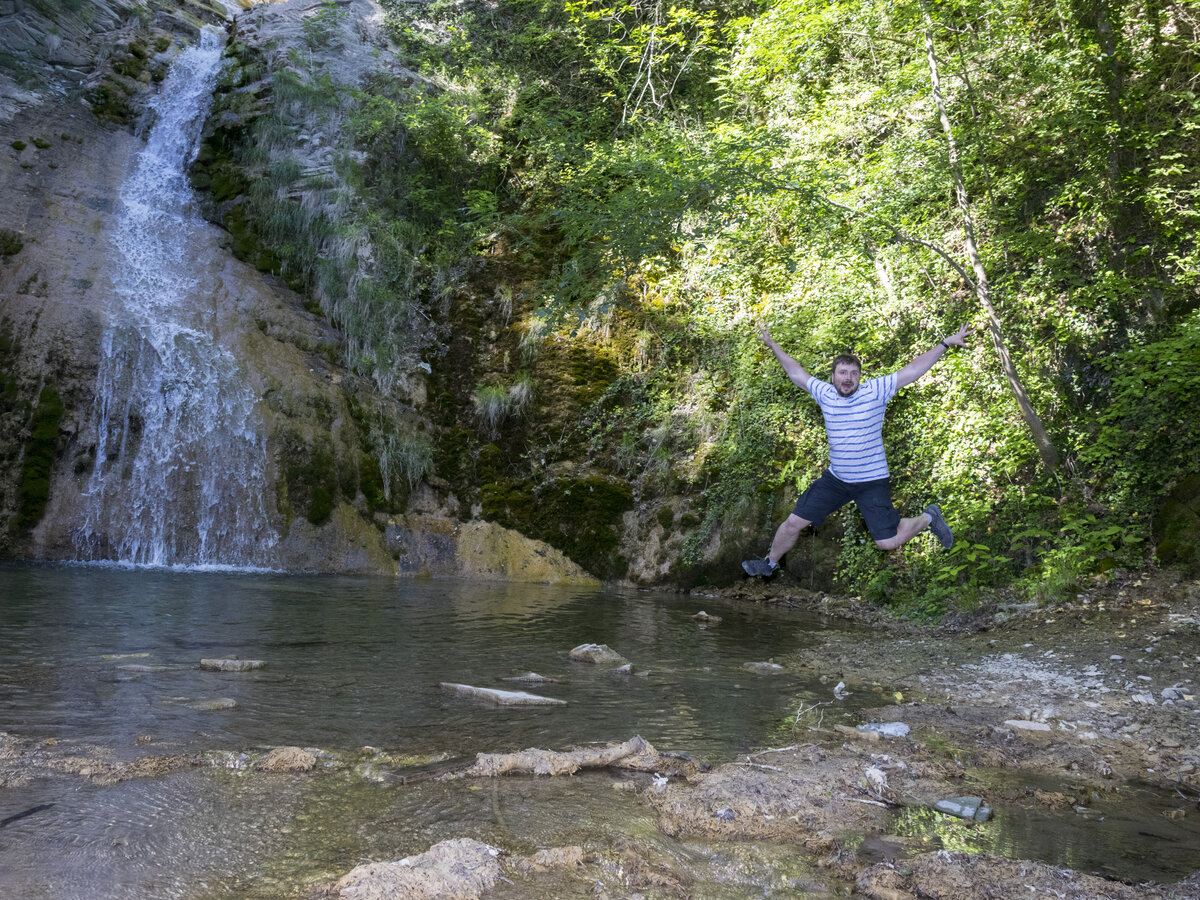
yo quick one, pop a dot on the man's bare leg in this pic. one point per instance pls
(905, 532)
(786, 536)
(908, 529)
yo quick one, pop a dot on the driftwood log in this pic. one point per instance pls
(636, 754)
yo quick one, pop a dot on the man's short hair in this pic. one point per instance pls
(847, 358)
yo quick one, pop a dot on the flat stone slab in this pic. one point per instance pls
(460, 869)
(502, 698)
(1026, 725)
(231, 665)
(887, 729)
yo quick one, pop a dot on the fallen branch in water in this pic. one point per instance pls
(820, 719)
(635, 754)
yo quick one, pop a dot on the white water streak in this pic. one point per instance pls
(179, 477)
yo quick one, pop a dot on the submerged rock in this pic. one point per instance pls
(971, 808)
(770, 667)
(215, 705)
(600, 654)
(636, 753)
(503, 698)
(956, 874)
(553, 858)
(531, 678)
(233, 664)
(452, 870)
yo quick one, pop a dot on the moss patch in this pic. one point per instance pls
(11, 242)
(34, 488)
(309, 486)
(110, 103)
(579, 516)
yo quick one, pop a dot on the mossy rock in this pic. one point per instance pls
(309, 486)
(452, 458)
(110, 103)
(370, 483)
(40, 451)
(1177, 526)
(579, 516)
(11, 242)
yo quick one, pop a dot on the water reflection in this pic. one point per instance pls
(110, 655)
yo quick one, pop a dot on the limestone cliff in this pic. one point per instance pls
(70, 138)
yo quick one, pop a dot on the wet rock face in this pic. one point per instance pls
(62, 193)
(106, 48)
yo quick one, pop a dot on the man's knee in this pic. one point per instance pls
(794, 524)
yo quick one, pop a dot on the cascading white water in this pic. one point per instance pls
(179, 476)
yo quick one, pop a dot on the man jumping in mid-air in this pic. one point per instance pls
(857, 468)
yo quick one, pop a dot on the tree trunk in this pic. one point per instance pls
(1045, 447)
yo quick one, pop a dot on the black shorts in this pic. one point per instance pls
(829, 493)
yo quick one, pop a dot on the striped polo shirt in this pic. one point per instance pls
(854, 426)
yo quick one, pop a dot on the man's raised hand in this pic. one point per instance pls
(959, 338)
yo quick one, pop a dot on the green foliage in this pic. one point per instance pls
(322, 24)
(1149, 418)
(644, 182)
(404, 459)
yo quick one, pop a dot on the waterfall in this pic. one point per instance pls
(179, 477)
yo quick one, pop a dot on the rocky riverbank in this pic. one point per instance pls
(1050, 712)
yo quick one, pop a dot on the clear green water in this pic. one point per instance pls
(355, 662)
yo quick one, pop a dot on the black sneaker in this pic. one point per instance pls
(760, 568)
(937, 524)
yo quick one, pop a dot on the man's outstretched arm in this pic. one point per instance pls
(794, 370)
(925, 361)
